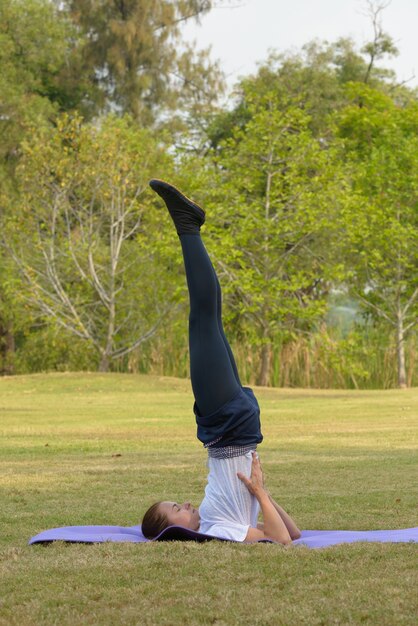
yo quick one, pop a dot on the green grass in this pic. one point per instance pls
(334, 459)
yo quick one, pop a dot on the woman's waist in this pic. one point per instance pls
(228, 452)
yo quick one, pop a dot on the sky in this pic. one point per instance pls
(242, 32)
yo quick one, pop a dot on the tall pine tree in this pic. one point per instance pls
(136, 55)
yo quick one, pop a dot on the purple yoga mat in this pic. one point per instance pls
(309, 538)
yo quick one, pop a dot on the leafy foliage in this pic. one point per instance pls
(135, 54)
(283, 188)
(381, 222)
(82, 237)
(307, 174)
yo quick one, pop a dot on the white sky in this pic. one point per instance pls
(243, 32)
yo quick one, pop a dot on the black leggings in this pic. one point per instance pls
(213, 371)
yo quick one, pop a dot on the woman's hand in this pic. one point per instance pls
(254, 484)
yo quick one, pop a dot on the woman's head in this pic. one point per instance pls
(163, 514)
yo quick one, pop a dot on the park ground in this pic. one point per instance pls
(85, 448)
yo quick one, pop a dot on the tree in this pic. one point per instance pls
(381, 225)
(315, 77)
(7, 313)
(90, 252)
(40, 55)
(382, 43)
(280, 189)
(136, 55)
(40, 60)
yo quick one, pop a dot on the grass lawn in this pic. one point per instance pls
(81, 449)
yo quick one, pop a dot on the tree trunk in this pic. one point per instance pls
(10, 350)
(265, 366)
(7, 348)
(264, 376)
(400, 348)
(104, 363)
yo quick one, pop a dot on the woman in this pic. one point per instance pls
(227, 414)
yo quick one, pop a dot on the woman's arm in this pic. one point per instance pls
(294, 531)
(274, 526)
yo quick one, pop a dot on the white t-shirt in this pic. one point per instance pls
(228, 509)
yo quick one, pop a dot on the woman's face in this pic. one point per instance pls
(181, 514)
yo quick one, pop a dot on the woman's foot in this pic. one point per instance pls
(187, 216)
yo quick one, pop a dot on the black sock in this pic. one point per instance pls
(187, 216)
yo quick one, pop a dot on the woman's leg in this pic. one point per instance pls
(212, 367)
(214, 374)
(221, 329)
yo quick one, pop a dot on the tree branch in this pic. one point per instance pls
(127, 349)
(376, 308)
(410, 302)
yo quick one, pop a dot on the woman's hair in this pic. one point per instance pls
(154, 522)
